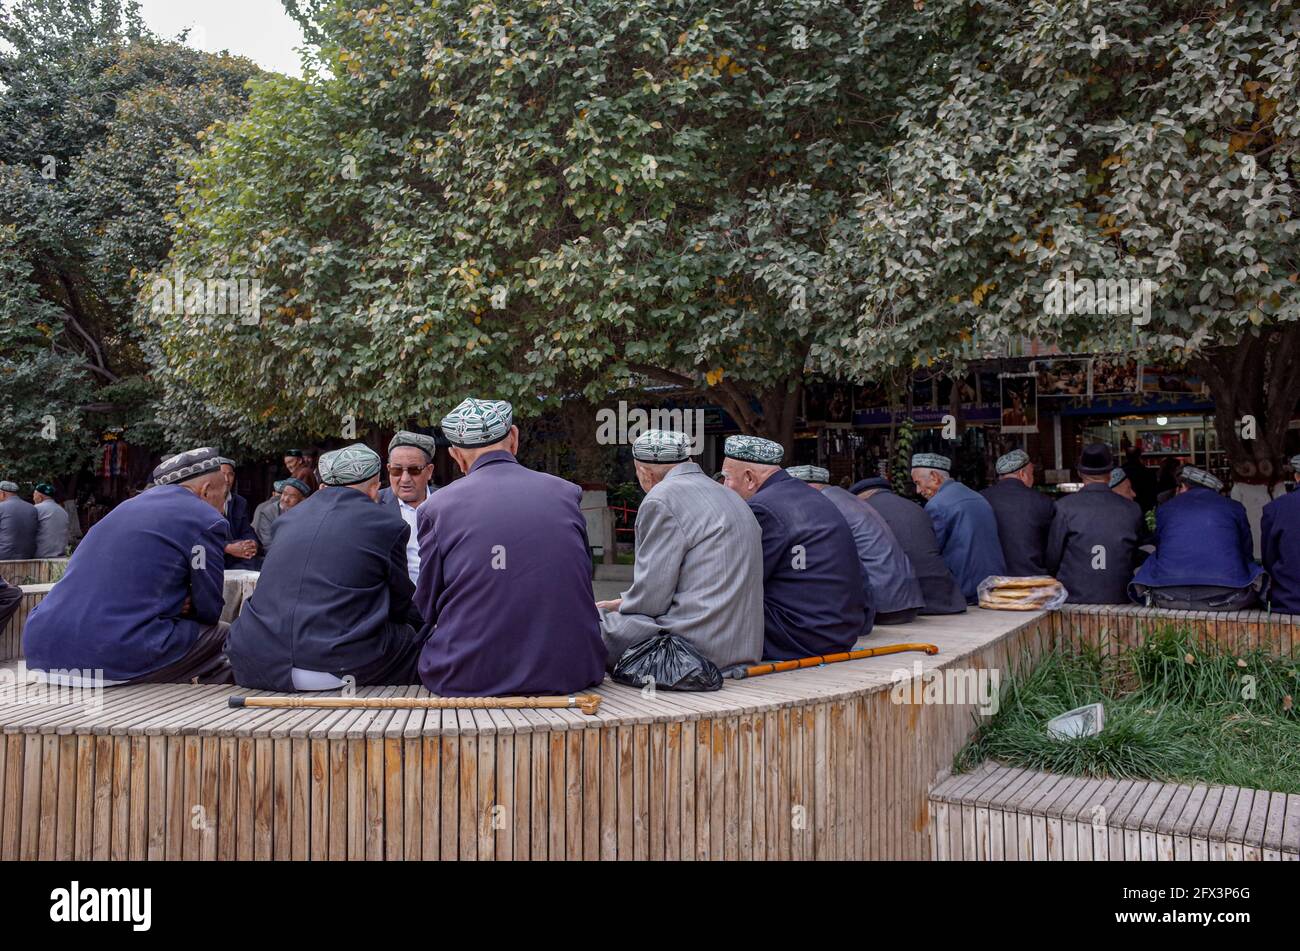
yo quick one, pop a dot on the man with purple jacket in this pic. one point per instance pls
(505, 574)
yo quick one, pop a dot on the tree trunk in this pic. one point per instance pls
(1255, 384)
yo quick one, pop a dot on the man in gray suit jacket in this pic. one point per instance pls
(51, 523)
(699, 561)
(17, 525)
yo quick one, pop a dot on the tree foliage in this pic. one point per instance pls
(95, 114)
(541, 197)
(1126, 139)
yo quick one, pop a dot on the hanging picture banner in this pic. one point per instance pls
(1063, 376)
(1019, 402)
(1114, 376)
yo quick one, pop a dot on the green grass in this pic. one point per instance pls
(1176, 711)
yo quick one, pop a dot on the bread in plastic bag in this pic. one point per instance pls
(1033, 593)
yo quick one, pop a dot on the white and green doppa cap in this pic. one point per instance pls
(661, 445)
(478, 423)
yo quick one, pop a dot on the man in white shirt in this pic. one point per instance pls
(410, 471)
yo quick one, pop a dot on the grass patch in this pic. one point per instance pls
(1176, 711)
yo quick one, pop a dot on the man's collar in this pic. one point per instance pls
(496, 455)
(401, 501)
(683, 468)
(780, 475)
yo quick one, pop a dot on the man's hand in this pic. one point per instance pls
(612, 606)
(246, 548)
(188, 607)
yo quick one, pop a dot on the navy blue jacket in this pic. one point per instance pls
(915, 532)
(118, 606)
(814, 594)
(891, 582)
(241, 529)
(1201, 538)
(1093, 543)
(332, 589)
(1280, 546)
(1024, 518)
(967, 532)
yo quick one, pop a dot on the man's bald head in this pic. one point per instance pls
(211, 487)
(746, 478)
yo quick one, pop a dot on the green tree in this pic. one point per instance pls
(543, 197)
(1128, 139)
(96, 115)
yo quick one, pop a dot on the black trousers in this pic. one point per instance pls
(896, 617)
(10, 597)
(204, 663)
(400, 665)
(1201, 597)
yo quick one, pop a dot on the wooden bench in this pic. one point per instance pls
(35, 571)
(819, 763)
(11, 633)
(1002, 813)
(1119, 627)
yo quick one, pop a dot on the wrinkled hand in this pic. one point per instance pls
(612, 606)
(242, 549)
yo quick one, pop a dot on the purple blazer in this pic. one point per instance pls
(505, 585)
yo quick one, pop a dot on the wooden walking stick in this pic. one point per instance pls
(588, 703)
(775, 667)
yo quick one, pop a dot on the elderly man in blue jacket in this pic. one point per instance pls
(814, 595)
(964, 523)
(1203, 558)
(142, 597)
(1280, 546)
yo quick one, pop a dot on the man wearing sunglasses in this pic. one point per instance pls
(410, 469)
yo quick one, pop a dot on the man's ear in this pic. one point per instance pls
(514, 440)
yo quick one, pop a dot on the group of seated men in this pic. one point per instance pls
(1095, 541)
(483, 587)
(37, 529)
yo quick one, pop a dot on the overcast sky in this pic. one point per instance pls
(258, 29)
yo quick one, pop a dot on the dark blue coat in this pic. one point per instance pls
(814, 593)
(332, 590)
(1201, 538)
(241, 529)
(118, 606)
(1024, 518)
(505, 585)
(891, 581)
(1091, 527)
(1280, 546)
(915, 532)
(967, 532)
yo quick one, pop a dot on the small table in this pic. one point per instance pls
(239, 587)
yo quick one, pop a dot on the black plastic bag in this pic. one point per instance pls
(670, 662)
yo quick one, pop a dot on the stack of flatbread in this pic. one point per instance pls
(1020, 594)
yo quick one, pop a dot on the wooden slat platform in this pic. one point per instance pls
(820, 763)
(11, 633)
(35, 571)
(1002, 813)
(1119, 627)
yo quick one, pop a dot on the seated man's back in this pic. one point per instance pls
(334, 596)
(1203, 541)
(143, 585)
(814, 591)
(1280, 546)
(505, 572)
(915, 533)
(699, 562)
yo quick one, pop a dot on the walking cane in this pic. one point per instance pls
(588, 703)
(818, 660)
